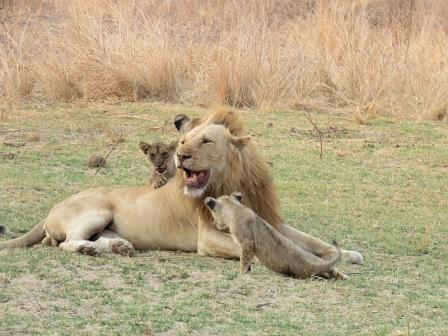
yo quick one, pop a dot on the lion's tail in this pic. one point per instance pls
(34, 236)
(7, 232)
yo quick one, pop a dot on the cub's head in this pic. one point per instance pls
(159, 153)
(226, 209)
(204, 154)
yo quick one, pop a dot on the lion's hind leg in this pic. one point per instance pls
(105, 242)
(49, 241)
(81, 228)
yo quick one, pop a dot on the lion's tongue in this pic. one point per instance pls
(197, 179)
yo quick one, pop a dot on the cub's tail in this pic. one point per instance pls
(34, 236)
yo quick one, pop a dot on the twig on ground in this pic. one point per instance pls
(319, 132)
(11, 144)
(107, 156)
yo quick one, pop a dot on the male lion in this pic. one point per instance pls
(161, 155)
(256, 238)
(212, 162)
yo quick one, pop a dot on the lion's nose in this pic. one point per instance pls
(182, 157)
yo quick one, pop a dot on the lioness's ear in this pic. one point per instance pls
(240, 142)
(237, 196)
(180, 120)
(145, 147)
(210, 202)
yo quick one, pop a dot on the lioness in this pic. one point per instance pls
(211, 161)
(161, 155)
(256, 237)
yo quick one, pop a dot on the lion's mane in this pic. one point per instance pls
(246, 171)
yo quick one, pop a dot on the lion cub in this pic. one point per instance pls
(161, 156)
(258, 238)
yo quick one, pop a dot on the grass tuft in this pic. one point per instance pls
(423, 244)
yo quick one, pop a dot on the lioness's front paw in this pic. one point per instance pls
(353, 257)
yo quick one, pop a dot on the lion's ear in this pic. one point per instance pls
(237, 196)
(145, 147)
(180, 120)
(240, 142)
(210, 202)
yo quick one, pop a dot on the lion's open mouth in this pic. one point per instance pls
(196, 179)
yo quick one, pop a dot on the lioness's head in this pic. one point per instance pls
(203, 154)
(159, 153)
(226, 209)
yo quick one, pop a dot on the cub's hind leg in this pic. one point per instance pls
(247, 255)
(317, 246)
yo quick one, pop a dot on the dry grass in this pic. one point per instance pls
(423, 244)
(361, 57)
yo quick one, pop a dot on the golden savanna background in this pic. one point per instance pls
(360, 57)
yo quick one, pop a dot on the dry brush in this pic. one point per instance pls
(360, 57)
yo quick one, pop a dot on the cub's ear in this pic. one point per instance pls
(145, 147)
(240, 142)
(180, 120)
(237, 196)
(210, 202)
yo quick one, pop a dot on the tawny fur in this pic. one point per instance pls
(161, 155)
(258, 238)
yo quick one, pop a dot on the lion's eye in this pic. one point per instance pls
(152, 155)
(206, 141)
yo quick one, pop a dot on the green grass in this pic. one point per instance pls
(381, 189)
